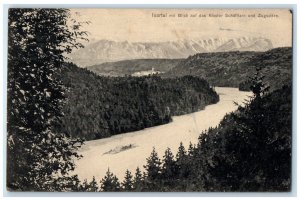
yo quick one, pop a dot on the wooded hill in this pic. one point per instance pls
(99, 107)
(232, 69)
(128, 67)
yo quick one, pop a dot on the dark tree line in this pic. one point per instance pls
(159, 175)
(99, 107)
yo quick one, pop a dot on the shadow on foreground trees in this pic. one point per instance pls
(251, 148)
(38, 157)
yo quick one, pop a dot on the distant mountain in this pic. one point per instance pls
(107, 51)
(130, 67)
(233, 68)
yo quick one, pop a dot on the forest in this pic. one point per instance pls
(250, 151)
(232, 69)
(99, 106)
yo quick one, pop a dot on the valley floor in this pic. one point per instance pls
(130, 150)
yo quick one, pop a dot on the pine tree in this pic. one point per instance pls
(168, 167)
(38, 39)
(181, 160)
(191, 150)
(152, 167)
(138, 180)
(127, 183)
(85, 186)
(252, 117)
(244, 151)
(181, 152)
(93, 186)
(258, 86)
(110, 183)
(144, 177)
(254, 129)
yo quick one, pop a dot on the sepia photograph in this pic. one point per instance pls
(149, 99)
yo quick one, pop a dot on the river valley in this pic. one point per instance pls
(130, 150)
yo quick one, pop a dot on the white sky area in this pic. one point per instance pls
(139, 25)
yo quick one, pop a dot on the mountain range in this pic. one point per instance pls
(108, 51)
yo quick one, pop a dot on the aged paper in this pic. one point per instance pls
(164, 100)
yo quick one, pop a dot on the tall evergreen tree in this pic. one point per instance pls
(191, 150)
(127, 183)
(110, 183)
(38, 39)
(168, 167)
(181, 153)
(138, 180)
(181, 161)
(93, 186)
(153, 166)
(258, 86)
(250, 151)
(253, 130)
(84, 186)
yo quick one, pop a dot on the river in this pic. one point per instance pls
(130, 150)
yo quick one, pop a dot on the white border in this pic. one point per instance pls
(136, 3)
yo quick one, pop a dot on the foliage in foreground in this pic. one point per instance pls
(39, 158)
(251, 148)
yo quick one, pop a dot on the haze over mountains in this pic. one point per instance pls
(108, 51)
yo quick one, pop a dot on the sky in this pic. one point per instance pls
(151, 25)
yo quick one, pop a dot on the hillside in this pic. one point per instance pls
(99, 107)
(232, 68)
(253, 151)
(129, 67)
(107, 51)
